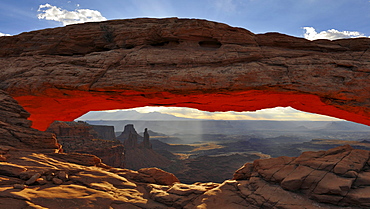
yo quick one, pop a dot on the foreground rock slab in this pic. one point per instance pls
(99, 186)
(338, 176)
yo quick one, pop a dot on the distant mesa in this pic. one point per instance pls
(132, 114)
(82, 137)
(82, 129)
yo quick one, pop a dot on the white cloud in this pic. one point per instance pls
(49, 12)
(4, 34)
(277, 113)
(225, 5)
(331, 34)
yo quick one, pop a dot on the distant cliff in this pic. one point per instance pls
(105, 132)
(81, 137)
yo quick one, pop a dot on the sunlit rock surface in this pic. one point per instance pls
(58, 74)
(62, 73)
(338, 176)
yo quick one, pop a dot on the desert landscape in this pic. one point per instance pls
(211, 150)
(213, 67)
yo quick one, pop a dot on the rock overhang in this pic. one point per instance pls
(62, 73)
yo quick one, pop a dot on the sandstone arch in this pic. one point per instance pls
(62, 73)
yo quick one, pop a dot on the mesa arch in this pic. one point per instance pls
(62, 73)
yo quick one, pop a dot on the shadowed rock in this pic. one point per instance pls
(195, 63)
(146, 141)
(81, 137)
(140, 154)
(129, 137)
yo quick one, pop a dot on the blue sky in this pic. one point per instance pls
(311, 19)
(259, 16)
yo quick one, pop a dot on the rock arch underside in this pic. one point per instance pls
(62, 73)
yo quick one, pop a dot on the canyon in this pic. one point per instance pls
(61, 73)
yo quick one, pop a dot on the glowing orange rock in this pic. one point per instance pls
(62, 73)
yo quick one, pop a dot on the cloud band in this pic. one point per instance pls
(49, 12)
(331, 34)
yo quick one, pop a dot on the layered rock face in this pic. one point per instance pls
(81, 137)
(339, 176)
(15, 130)
(105, 132)
(181, 62)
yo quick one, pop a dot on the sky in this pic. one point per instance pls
(310, 19)
(276, 114)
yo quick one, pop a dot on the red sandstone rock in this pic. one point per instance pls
(33, 179)
(78, 158)
(159, 176)
(294, 179)
(354, 161)
(15, 131)
(334, 179)
(62, 175)
(322, 176)
(363, 179)
(81, 137)
(57, 181)
(181, 62)
(2, 158)
(19, 186)
(41, 181)
(9, 169)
